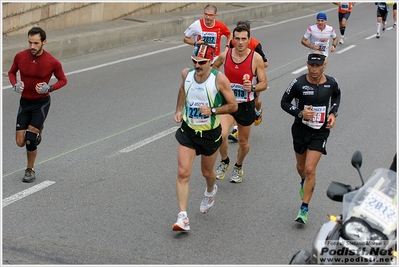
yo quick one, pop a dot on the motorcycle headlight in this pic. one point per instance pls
(358, 230)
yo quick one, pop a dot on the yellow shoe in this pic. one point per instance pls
(258, 119)
(233, 136)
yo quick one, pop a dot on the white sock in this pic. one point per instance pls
(378, 27)
(209, 194)
(184, 213)
(235, 127)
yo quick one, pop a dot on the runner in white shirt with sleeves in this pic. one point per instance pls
(317, 37)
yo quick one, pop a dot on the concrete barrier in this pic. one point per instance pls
(96, 37)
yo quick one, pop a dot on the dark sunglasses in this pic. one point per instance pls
(200, 62)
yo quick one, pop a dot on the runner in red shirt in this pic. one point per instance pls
(208, 30)
(36, 67)
(257, 47)
(344, 11)
(243, 67)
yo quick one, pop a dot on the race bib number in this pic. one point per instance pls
(318, 118)
(209, 38)
(322, 46)
(239, 92)
(195, 116)
(345, 6)
(380, 207)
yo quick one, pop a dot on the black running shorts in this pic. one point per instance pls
(205, 143)
(245, 114)
(32, 112)
(305, 138)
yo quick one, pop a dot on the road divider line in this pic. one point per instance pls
(345, 49)
(148, 140)
(27, 192)
(300, 70)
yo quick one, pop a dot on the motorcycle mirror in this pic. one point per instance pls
(357, 160)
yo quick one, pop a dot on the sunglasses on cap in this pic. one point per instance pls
(200, 62)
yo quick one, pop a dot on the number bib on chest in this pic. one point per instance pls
(194, 114)
(209, 38)
(239, 92)
(318, 119)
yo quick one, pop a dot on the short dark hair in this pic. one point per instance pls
(38, 30)
(241, 29)
(245, 23)
(211, 7)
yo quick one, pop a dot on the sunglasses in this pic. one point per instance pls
(200, 62)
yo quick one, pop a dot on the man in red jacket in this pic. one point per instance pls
(36, 68)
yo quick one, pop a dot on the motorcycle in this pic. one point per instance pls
(365, 232)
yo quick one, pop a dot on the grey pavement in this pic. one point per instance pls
(75, 41)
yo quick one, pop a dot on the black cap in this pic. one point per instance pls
(316, 59)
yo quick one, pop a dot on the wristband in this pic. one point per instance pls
(335, 46)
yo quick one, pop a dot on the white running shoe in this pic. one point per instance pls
(236, 176)
(341, 41)
(221, 170)
(182, 223)
(208, 201)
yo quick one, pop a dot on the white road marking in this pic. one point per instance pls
(300, 70)
(149, 140)
(345, 49)
(27, 192)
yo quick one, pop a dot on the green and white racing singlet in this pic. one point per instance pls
(201, 94)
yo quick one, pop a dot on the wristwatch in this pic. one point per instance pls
(253, 88)
(300, 115)
(213, 110)
(335, 114)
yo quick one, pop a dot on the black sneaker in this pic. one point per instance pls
(29, 176)
(39, 136)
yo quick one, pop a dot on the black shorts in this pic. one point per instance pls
(394, 6)
(383, 14)
(205, 143)
(305, 137)
(245, 114)
(32, 112)
(343, 16)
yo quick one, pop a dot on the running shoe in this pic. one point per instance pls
(383, 28)
(233, 136)
(208, 201)
(394, 25)
(377, 35)
(302, 215)
(39, 136)
(182, 223)
(258, 118)
(221, 170)
(301, 190)
(341, 41)
(237, 174)
(29, 176)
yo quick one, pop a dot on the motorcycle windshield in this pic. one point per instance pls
(375, 202)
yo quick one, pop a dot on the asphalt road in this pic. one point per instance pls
(106, 168)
